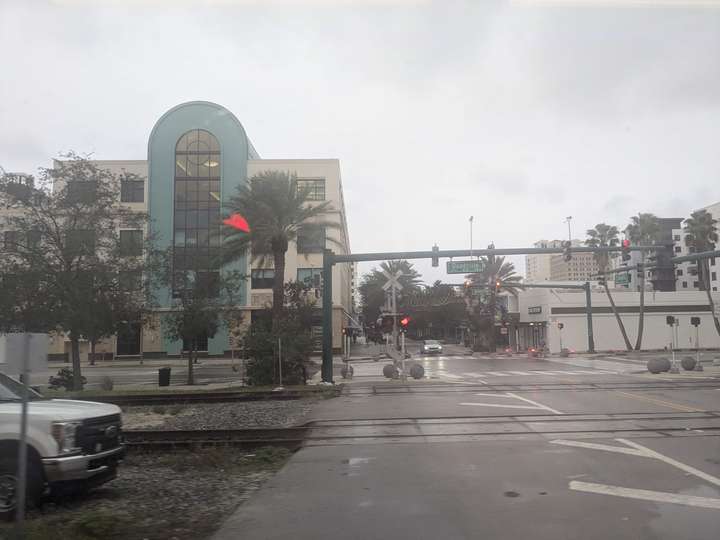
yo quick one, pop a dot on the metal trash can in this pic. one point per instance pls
(164, 376)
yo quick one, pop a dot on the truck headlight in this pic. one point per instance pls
(65, 434)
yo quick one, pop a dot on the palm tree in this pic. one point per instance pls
(604, 235)
(642, 230)
(372, 293)
(701, 235)
(277, 211)
(499, 276)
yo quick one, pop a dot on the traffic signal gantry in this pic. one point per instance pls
(330, 259)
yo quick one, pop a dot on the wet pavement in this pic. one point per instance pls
(544, 451)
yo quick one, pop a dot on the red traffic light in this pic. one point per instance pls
(236, 221)
(626, 243)
(405, 321)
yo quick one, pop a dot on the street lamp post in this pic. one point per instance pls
(471, 231)
(567, 220)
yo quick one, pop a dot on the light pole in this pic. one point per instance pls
(471, 228)
(567, 220)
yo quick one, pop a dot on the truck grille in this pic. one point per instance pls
(99, 434)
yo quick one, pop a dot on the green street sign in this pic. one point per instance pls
(622, 279)
(465, 267)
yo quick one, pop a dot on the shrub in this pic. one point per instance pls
(64, 379)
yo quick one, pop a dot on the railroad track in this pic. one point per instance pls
(201, 397)
(420, 388)
(443, 429)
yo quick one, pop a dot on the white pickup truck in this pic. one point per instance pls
(71, 444)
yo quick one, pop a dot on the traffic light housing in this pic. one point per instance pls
(561, 326)
(640, 270)
(625, 250)
(601, 280)
(404, 322)
(498, 284)
(567, 254)
(435, 259)
(695, 321)
(670, 320)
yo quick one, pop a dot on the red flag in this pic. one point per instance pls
(236, 221)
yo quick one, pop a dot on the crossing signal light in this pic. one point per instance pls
(497, 286)
(567, 254)
(404, 322)
(695, 321)
(435, 259)
(625, 250)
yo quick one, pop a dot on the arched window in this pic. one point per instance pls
(196, 229)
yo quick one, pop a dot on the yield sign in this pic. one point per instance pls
(392, 280)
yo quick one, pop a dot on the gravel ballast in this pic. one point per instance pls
(175, 496)
(231, 415)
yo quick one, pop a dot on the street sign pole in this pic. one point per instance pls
(394, 310)
(22, 447)
(588, 311)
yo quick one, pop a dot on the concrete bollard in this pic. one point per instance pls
(688, 363)
(417, 371)
(658, 365)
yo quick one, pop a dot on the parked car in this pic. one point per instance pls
(72, 445)
(431, 346)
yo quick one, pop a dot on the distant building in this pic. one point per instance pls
(661, 278)
(553, 267)
(686, 275)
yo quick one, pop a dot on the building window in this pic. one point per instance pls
(684, 284)
(10, 240)
(262, 278)
(311, 239)
(81, 191)
(678, 249)
(713, 276)
(132, 191)
(679, 272)
(712, 261)
(714, 289)
(131, 243)
(197, 219)
(310, 277)
(676, 238)
(696, 284)
(314, 187)
(80, 242)
(130, 280)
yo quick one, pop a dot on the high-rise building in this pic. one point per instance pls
(553, 266)
(686, 274)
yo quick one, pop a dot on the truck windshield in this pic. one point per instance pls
(11, 390)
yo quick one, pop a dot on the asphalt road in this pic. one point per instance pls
(502, 448)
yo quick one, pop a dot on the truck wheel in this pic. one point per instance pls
(8, 485)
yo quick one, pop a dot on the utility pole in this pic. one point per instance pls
(471, 228)
(567, 220)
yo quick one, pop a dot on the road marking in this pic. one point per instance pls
(596, 446)
(675, 406)
(644, 494)
(519, 372)
(473, 375)
(500, 405)
(670, 461)
(492, 395)
(498, 373)
(538, 405)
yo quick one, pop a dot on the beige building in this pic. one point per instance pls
(686, 274)
(553, 267)
(582, 267)
(198, 153)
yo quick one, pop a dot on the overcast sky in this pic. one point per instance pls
(517, 112)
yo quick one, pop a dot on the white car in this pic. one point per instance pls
(431, 346)
(72, 444)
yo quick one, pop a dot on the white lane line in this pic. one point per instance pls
(500, 406)
(670, 461)
(596, 446)
(473, 375)
(538, 405)
(519, 372)
(644, 494)
(492, 395)
(498, 373)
